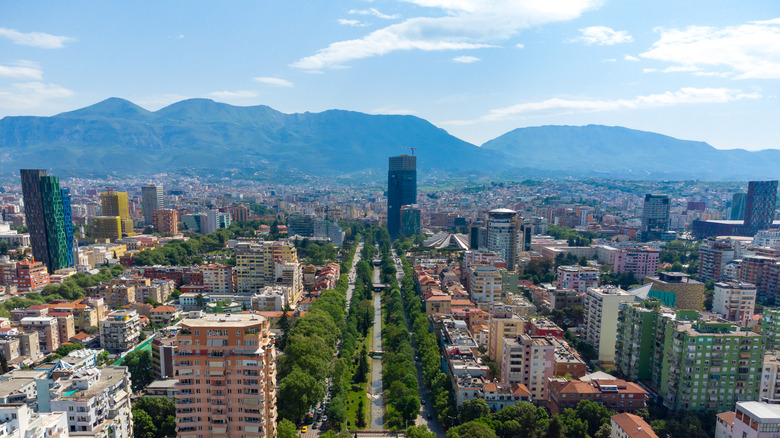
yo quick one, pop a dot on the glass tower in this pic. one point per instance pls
(401, 189)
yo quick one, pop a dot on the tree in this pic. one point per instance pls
(143, 425)
(199, 300)
(594, 414)
(605, 431)
(337, 413)
(420, 431)
(65, 349)
(141, 368)
(3, 364)
(162, 413)
(472, 429)
(361, 415)
(298, 392)
(472, 409)
(286, 429)
(555, 428)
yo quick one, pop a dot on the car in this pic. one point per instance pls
(428, 416)
(304, 429)
(423, 402)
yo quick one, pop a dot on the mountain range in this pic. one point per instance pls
(118, 136)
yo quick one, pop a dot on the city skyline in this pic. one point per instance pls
(477, 70)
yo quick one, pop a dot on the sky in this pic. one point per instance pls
(693, 69)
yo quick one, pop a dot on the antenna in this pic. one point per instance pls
(407, 147)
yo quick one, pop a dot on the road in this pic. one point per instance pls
(377, 408)
(314, 429)
(424, 393)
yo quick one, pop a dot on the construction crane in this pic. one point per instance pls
(407, 147)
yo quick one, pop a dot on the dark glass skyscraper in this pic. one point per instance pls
(401, 189)
(655, 216)
(44, 210)
(760, 206)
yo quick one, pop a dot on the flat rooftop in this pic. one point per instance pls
(224, 320)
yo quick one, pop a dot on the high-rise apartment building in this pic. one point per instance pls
(713, 258)
(240, 212)
(225, 369)
(579, 278)
(502, 234)
(735, 301)
(760, 206)
(770, 327)
(256, 267)
(738, 206)
(44, 210)
(151, 200)
(696, 364)
(401, 189)
(410, 220)
(528, 360)
(165, 221)
(116, 204)
(655, 216)
(641, 261)
(676, 289)
(601, 314)
(106, 227)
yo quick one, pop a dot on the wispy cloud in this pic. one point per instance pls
(30, 95)
(684, 96)
(240, 94)
(603, 36)
(35, 39)
(466, 24)
(276, 82)
(465, 59)
(749, 51)
(519, 46)
(355, 23)
(21, 70)
(631, 58)
(374, 12)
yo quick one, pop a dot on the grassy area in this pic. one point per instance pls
(358, 392)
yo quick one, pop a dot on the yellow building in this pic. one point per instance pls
(116, 204)
(106, 227)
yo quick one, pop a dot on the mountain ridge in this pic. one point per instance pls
(118, 135)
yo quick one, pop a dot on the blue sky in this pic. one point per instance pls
(697, 70)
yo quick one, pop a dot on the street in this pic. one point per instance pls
(424, 393)
(377, 408)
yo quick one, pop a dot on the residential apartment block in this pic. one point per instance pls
(601, 313)
(226, 371)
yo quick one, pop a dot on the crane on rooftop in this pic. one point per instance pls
(407, 147)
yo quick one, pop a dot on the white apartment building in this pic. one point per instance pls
(485, 284)
(601, 313)
(217, 279)
(750, 420)
(95, 400)
(18, 420)
(120, 330)
(736, 301)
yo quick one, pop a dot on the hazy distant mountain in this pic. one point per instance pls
(117, 135)
(613, 151)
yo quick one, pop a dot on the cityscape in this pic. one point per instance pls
(384, 218)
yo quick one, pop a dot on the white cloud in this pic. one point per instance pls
(240, 94)
(21, 70)
(29, 95)
(519, 46)
(609, 60)
(355, 23)
(35, 39)
(749, 51)
(669, 98)
(374, 12)
(631, 58)
(603, 36)
(465, 59)
(276, 82)
(466, 24)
